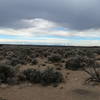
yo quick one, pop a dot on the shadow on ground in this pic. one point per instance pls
(82, 94)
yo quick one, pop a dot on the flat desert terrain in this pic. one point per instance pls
(67, 63)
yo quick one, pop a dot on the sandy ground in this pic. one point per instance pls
(73, 89)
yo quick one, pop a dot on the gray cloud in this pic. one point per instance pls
(74, 14)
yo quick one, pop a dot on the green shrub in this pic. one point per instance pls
(46, 77)
(6, 73)
(34, 62)
(77, 62)
(55, 58)
(16, 61)
(50, 76)
(32, 75)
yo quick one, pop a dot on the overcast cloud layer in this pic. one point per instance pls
(50, 18)
(75, 14)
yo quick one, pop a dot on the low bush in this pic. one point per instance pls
(77, 62)
(51, 76)
(92, 71)
(16, 61)
(34, 62)
(55, 58)
(6, 73)
(32, 75)
(45, 77)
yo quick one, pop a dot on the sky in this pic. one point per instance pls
(50, 22)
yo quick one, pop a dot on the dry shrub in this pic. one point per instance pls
(45, 77)
(51, 76)
(32, 75)
(73, 63)
(6, 73)
(55, 58)
(77, 62)
(92, 71)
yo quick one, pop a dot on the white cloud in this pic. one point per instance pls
(89, 33)
(9, 31)
(34, 27)
(40, 41)
(40, 28)
(53, 41)
(39, 23)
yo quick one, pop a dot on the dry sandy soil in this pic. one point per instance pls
(74, 88)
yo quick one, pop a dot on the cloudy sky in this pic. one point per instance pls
(50, 22)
